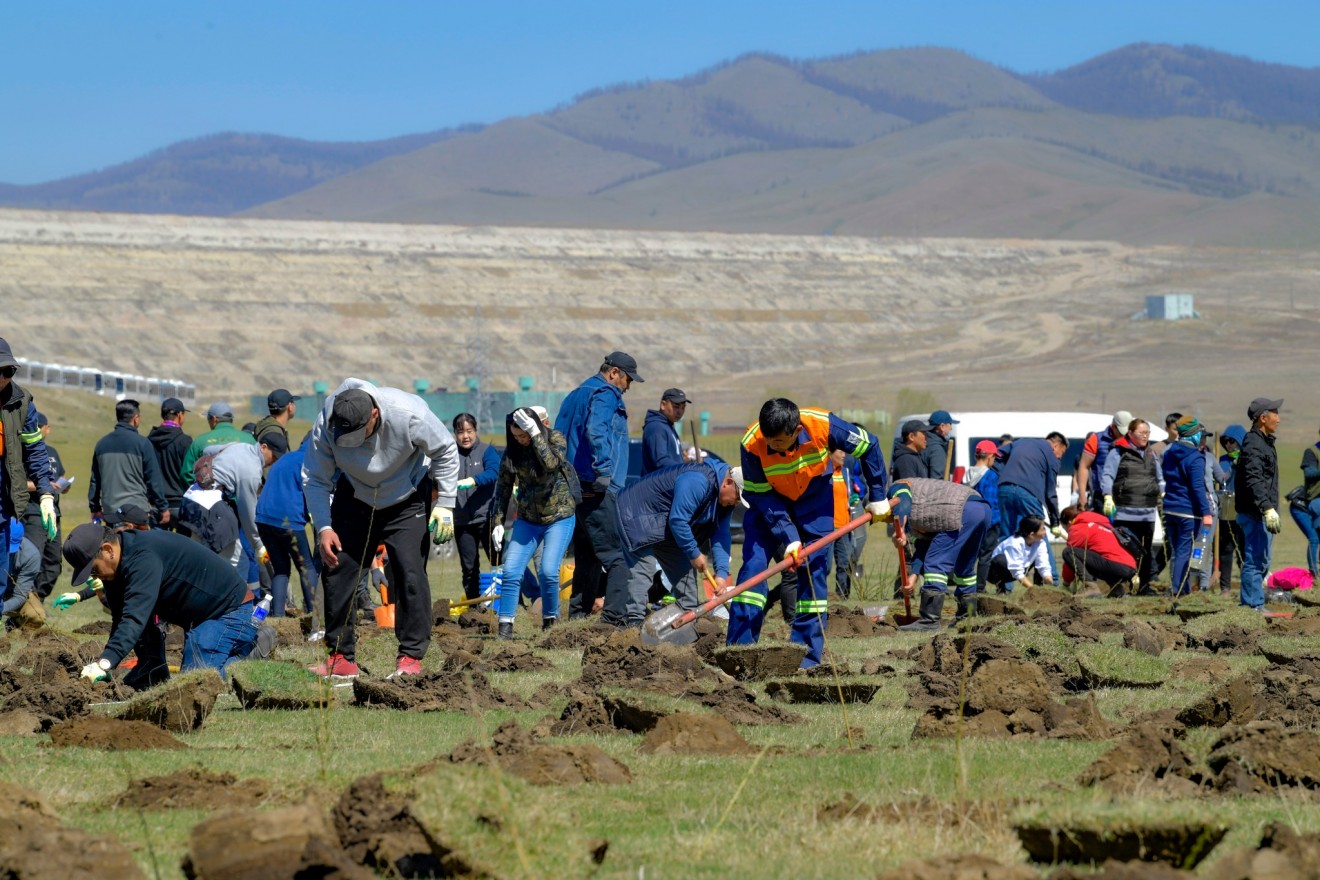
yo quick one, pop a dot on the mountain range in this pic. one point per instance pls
(1149, 143)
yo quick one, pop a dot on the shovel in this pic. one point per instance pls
(906, 617)
(674, 626)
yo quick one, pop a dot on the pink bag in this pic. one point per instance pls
(1290, 579)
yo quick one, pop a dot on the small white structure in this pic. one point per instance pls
(1170, 307)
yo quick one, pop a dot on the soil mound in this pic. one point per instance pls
(575, 637)
(434, 692)
(737, 704)
(111, 734)
(760, 662)
(19, 722)
(1148, 756)
(51, 661)
(377, 828)
(1287, 697)
(519, 752)
(993, 606)
(851, 622)
(504, 658)
(1175, 843)
(95, 628)
(1282, 852)
(179, 705)
(684, 733)
(799, 691)
(293, 841)
(1007, 686)
(961, 867)
(1232, 639)
(1263, 756)
(1213, 669)
(53, 702)
(37, 846)
(1005, 698)
(195, 789)
(1141, 636)
(1233, 702)
(624, 660)
(1112, 869)
(478, 619)
(585, 713)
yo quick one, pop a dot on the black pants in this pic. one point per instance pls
(1230, 548)
(401, 528)
(1092, 566)
(600, 568)
(50, 554)
(472, 538)
(1145, 532)
(993, 536)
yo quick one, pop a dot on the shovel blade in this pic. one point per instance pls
(659, 628)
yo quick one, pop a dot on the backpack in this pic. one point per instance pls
(1128, 540)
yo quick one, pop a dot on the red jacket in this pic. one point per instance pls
(1094, 533)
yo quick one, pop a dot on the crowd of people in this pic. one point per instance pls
(195, 532)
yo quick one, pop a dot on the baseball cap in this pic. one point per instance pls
(276, 442)
(942, 417)
(279, 399)
(1262, 405)
(349, 417)
(675, 395)
(1122, 419)
(986, 447)
(737, 474)
(912, 426)
(1187, 426)
(625, 362)
(129, 514)
(81, 547)
(171, 405)
(6, 355)
(220, 410)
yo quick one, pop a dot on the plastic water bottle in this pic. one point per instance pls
(260, 611)
(1201, 548)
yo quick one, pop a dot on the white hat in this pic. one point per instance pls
(736, 473)
(1122, 419)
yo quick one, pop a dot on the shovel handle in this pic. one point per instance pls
(819, 544)
(901, 539)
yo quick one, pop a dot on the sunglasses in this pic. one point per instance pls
(8, 372)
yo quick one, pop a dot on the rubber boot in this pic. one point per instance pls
(932, 606)
(506, 630)
(966, 609)
(547, 622)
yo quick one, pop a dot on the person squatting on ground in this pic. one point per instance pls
(1306, 510)
(594, 422)
(48, 545)
(237, 470)
(1257, 484)
(1020, 557)
(1093, 550)
(670, 514)
(1187, 504)
(949, 520)
(478, 466)
(20, 578)
(1131, 486)
(161, 574)
(392, 468)
(536, 462)
(786, 480)
(23, 457)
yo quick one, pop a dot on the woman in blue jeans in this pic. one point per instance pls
(1307, 517)
(535, 462)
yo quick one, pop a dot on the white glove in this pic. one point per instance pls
(98, 671)
(880, 510)
(467, 483)
(497, 538)
(1272, 521)
(1059, 532)
(526, 422)
(441, 524)
(48, 520)
(1110, 507)
(263, 555)
(793, 554)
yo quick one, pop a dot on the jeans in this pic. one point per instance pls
(288, 550)
(1179, 536)
(523, 540)
(217, 643)
(1257, 544)
(1308, 521)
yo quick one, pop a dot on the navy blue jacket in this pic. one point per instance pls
(594, 423)
(1184, 481)
(1033, 466)
(678, 504)
(659, 443)
(481, 464)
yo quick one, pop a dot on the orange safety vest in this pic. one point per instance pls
(790, 474)
(839, 483)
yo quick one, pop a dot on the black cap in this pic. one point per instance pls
(276, 442)
(1262, 405)
(6, 355)
(279, 399)
(625, 362)
(349, 417)
(912, 426)
(170, 406)
(81, 547)
(675, 395)
(128, 514)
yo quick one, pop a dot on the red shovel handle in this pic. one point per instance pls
(901, 541)
(819, 544)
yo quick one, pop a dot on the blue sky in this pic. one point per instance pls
(84, 85)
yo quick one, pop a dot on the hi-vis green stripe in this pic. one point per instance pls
(751, 432)
(812, 606)
(29, 439)
(798, 464)
(937, 579)
(964, 581)
(750, 598)
(900, 489)
(860, 449)
(751, 486)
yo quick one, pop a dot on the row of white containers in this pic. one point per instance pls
(104, 382)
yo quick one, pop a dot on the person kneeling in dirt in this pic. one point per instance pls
(164, 574)
(953, 518)
(1094, 551)
(670, 513)
(1021, 558)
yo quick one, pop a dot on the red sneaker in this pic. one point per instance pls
(337, 667)
(406, 666)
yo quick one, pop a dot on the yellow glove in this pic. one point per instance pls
(48, 519)
(1059, 532)
(441, 525)
(98, 671)
(1110, 507)
(1272, 524)
(880, 510)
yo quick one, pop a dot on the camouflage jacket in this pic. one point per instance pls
(543, 496)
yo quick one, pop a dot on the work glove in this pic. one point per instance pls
(1272, 524)
(67, 601)
(526, 422)
(98, 671)
(1110, 507)
(48, 520)
(467, 483)
(880, 510)
(1059, 532)
(793, 555)
(263, 555)
(497, 538)
(441, 524)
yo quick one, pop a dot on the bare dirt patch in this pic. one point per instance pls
(36, 845)
(194, 789)
(112, 734)
(1148, 756)
(851, 622)
(685, 733)
(53, 701)
(502, 658)
(760, 662)
(1174, 843)
(519, 752)
(377, 829)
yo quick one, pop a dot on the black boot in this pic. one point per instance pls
(506, 629)
(547, 622)
(966, 609)
(932, 605)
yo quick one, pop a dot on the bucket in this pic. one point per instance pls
(566, 580)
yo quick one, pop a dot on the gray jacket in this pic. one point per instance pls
(238, 468)
(409, 442)
(125, 470)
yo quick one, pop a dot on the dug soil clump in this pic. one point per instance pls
(36, 845)
(572, 638)
(1287, 697)
(519, 752)
(434, 692)
(112, 734)
(377, 828)
(851, 622)
(1233, 702)
(53, 702)
(1262, 756)
(295, 841)
(503, 658)
(961, 867)
(1174, 843)
(1281, 852)
(1232, 639)
(181, 704)
(800, 691)
(1004, 698)
(760, 662)
(194, 789)
(1148, 757)
(684, 733)
(624, 660)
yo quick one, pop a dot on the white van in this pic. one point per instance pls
(973, 427)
